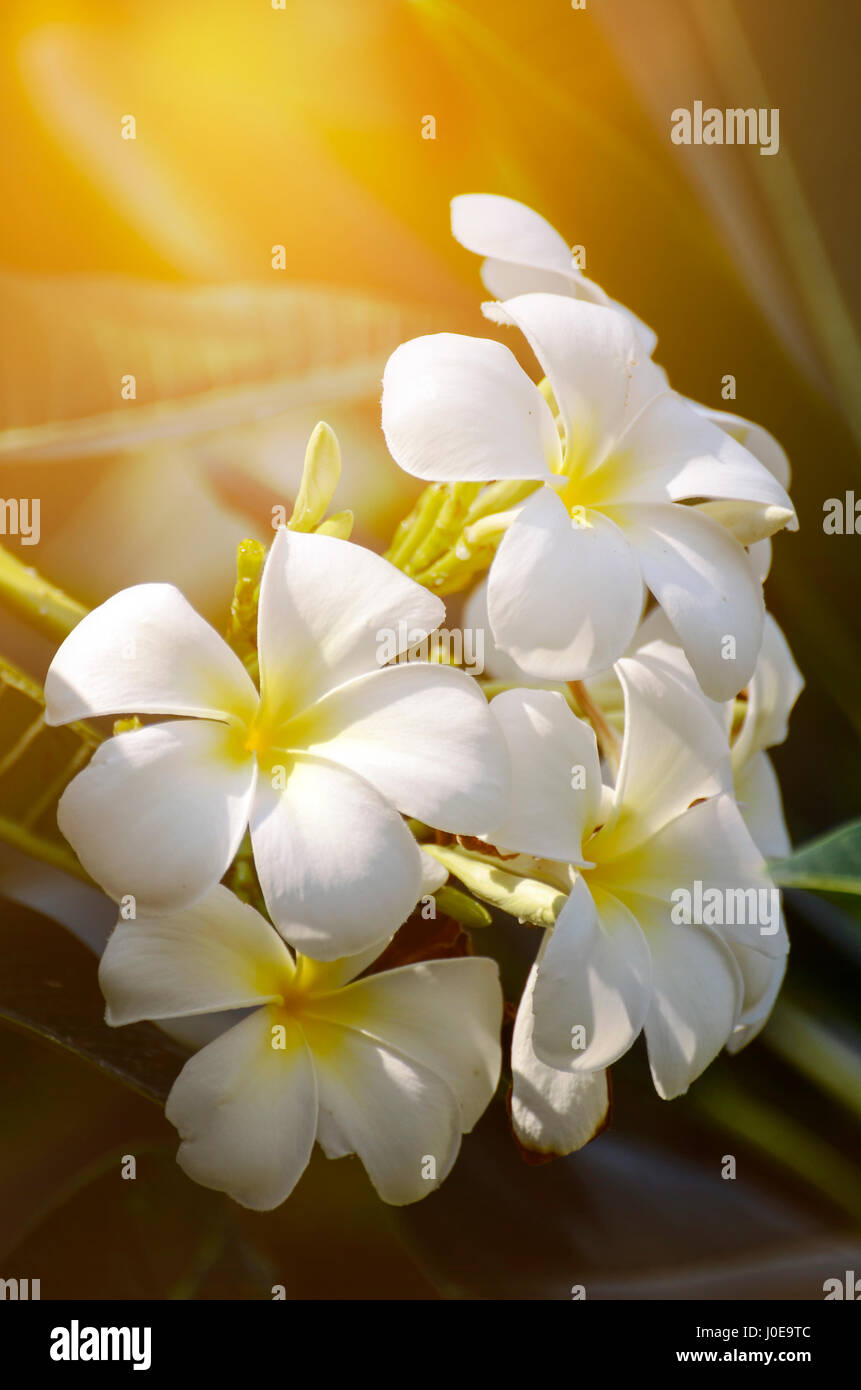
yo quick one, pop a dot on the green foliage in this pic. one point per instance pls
(830, 864)
(36, 764)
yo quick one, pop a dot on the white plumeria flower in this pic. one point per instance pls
(526, 255)
(770, 698)
(615, 961)
(771, 695)
(394, 1067)
(322, 763)
(566, 587)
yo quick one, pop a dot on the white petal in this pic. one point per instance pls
(552, 1111)
(219, 954)
(697, 993)
(758, 792)
(525, 254)
(708, 845)
(434, 875)
(656, 642)
(146, 651)
(772, 692)
(497, 664)
(444, 1014)
(338, 867)
(194, 1031)
(509, 231)
(670, 452)
(564, 599)
(160, 812)
(247, 1112)
(325, 976)
(391, 1111)
(757, 440)
(423, 735)
(751, 524)
(328, 608)
(674, 752)
(594, 973)
(459, 409)
(648, 380)
(505, 280)
(703, 581)
(760, 555)
(588, 355)
(762, 978)
(556, 775)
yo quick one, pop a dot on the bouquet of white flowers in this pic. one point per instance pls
(584, 749)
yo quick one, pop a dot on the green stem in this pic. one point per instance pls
(41, 604)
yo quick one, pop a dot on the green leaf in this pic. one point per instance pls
(831, 864)
(49, 986)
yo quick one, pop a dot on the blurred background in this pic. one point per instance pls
(258, 128)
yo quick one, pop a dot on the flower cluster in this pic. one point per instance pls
(606, 781)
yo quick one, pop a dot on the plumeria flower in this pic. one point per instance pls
(322, 763)
(769, 699)
(771, 695)
(753, 724)
(394, 1067)
(526, 255)
(616, 961)
(613, 469)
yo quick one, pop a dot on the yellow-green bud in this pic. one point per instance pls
(319, 479)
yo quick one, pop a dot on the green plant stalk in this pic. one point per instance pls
(41, 604)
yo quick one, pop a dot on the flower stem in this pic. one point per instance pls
(608, 739)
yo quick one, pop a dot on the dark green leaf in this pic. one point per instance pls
(49, 986)
(831, 864)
